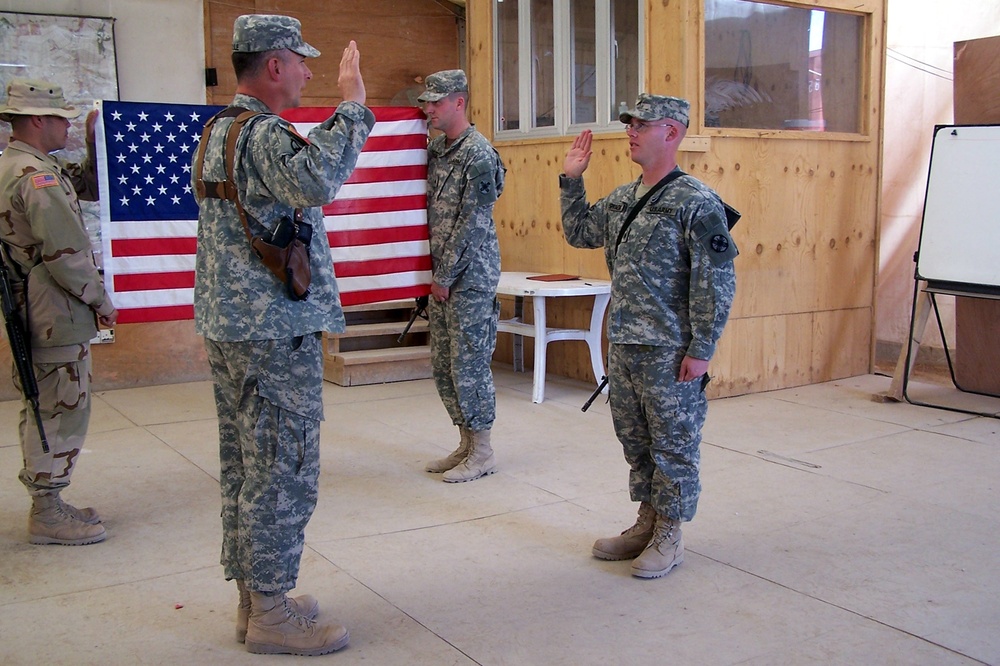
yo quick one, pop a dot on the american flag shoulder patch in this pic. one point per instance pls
(41, 180)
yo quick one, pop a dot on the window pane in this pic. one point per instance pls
(507, 65)
(583, 61)
(542, 64)
(624, 54)
(773, 67)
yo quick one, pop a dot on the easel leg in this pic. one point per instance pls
(918, 324)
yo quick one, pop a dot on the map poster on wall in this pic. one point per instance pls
(75, 52)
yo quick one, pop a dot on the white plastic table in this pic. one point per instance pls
(518, 285)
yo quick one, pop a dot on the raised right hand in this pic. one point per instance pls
(352, 86)
(578, 157)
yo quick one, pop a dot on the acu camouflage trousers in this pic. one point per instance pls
(658, 421)
(63, 376)
(463, 332)
(269, 401)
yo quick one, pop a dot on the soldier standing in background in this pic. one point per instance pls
(61, 296)
(264, 348)
(672, 283)
(465, 177)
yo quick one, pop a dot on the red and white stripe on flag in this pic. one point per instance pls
(377, 225)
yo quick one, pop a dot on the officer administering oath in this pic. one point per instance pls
(262, 337)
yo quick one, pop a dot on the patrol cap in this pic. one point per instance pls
(33, 97)
(657, 107)
(441, 84)
(254, 33)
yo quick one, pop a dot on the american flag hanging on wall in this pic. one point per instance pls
(377, 225)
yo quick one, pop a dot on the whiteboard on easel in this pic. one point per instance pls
(960, 232)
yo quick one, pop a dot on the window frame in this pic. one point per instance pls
(865, 12)
(564, 99)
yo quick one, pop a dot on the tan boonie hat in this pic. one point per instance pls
(657, 107)
(441, 84)
(255, 33)
(33, 97)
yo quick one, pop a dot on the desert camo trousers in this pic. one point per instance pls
(64, 406)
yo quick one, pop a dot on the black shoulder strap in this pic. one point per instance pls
(666, 180)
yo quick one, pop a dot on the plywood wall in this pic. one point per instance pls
(808, 238)
(401, 41)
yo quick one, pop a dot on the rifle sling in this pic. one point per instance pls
(666, 180)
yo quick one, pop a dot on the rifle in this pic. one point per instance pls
(593, 396)
(705, 379)
(20, 345)
(419, 310)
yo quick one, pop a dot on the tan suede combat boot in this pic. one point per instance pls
(305, 605)
(664, 552)
(480, 461)
(274, 628)
(455, 457)
(49, 523)
(632, 541)
(87, 514)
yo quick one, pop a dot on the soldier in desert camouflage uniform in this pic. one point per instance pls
(465, 177)
(672, 286)
(265, 349)
(42, 228)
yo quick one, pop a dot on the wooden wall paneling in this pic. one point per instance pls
(219, 19)
(762, 354)
(804, 242)
(401, 41)
(479, 64)
(528, 216)
(841, 344)
(668, 32)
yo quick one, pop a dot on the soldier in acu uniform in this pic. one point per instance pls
(61, 296)
(264, 348)
(672, 284)
(465, 177)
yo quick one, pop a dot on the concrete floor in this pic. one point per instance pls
(833, 529)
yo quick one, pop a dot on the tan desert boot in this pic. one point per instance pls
(455, 457)
(274, 628)
(88, 514)
(480, 461)
(305, 605)
(664, 552)
(632, 541)
(49, 523)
